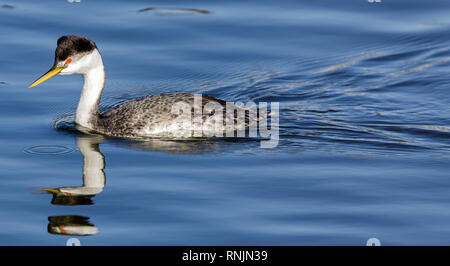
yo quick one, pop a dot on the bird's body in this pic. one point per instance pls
(152, 117)
(162, 115)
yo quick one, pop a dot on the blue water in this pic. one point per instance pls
(364, 146)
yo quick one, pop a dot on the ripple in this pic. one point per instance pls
(48, 149)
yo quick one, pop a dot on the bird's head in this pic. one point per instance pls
(73, 55)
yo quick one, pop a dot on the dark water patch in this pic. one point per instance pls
(173, 11)
(398, 56)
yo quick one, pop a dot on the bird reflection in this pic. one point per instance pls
(94, 178)
(71, 225)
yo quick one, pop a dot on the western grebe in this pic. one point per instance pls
(151, 116)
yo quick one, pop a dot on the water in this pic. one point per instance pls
(364, 127)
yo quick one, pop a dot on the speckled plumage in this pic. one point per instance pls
(152, 116)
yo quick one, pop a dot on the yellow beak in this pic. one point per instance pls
(51, 190)
(52, 72)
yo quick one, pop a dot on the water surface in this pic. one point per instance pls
(364, 124)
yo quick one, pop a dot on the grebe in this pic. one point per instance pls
(151, 116)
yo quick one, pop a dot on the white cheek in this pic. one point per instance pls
(65, 72)
(72, 68)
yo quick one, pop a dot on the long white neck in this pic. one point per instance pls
(94, 178)
(94, 162)
(94, 81)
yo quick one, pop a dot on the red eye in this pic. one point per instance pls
(68, 60)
